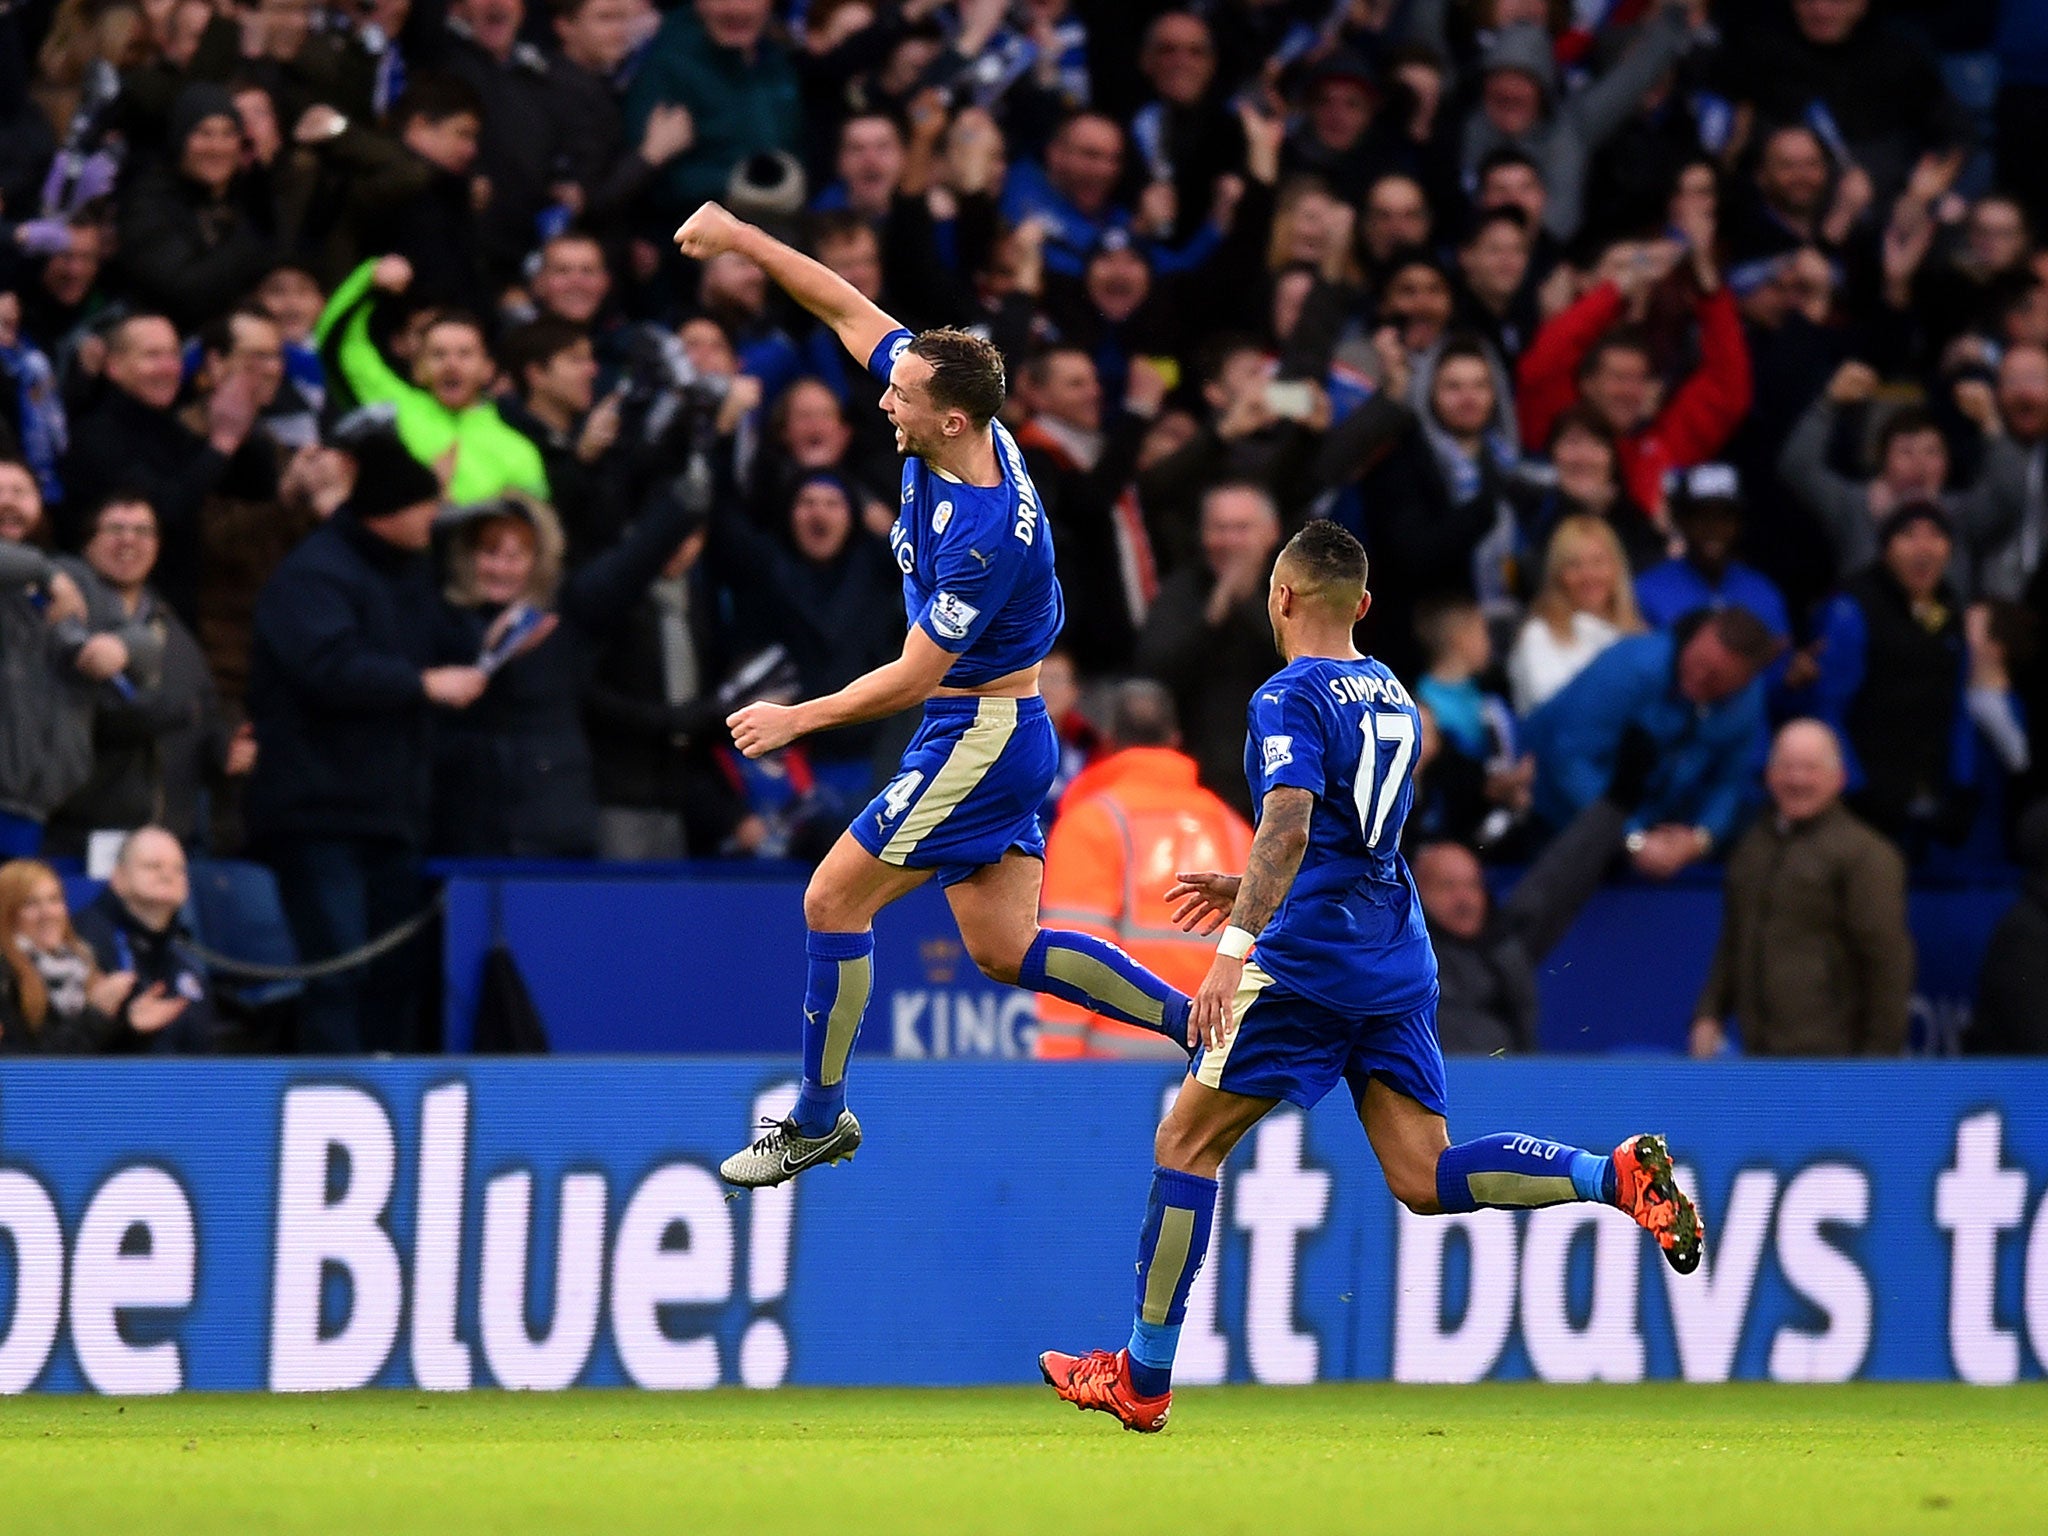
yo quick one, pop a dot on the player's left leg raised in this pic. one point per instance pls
(997, 909)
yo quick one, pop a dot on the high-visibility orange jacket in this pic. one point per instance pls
(1126, 825)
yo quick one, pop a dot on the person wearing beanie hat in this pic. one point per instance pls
(389, 482)
(1344, 134)
(1519, 106)
(1894, 681)
(343, 691)
(189, 243)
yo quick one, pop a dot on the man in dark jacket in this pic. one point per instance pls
(1877, 90)
(49, 665)
(341, 693)
(158, 735)
(740, 86)
(134, 926)
(190, 240)
(2012, 988)
(1894, 681)
(585, 102)
(1208, 637)
(1815, 958)
(1083, 472)
(553, 369)
(522, 152)
(133, 440)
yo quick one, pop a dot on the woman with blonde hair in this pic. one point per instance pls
(1586, 604)
(54, 1000)
(512, 773)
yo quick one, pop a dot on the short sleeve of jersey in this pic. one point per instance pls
(976, 566)
(887, 350)
(1287, 729)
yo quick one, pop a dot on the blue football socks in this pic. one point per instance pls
(836, 987)
(1175, 1240)
(1096, 975)
(1512, 1171)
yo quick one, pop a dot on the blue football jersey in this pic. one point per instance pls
(976, 560)
(1350, 933)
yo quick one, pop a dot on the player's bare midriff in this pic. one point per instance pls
(1021, 684)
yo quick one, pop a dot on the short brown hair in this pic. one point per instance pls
(967, 372)
(1327, 554)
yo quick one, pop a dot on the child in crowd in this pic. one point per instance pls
(1479, 786)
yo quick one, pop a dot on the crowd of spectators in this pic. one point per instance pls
(377, 481)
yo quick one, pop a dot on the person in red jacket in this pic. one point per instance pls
(1591, 352)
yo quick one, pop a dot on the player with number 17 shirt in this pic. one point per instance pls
(1324, 975)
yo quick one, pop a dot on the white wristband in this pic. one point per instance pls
(1235, 943)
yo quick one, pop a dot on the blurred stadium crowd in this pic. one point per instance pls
(379, 483)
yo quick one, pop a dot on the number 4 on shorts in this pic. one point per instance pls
(902, 790)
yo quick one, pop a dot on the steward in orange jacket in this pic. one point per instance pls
(1126, 826)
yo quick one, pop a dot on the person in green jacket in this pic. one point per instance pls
(716, 58)
(446, 420)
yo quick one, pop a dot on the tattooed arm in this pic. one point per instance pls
(1269, 872)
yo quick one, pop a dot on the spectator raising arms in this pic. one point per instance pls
(445, 416)
(1589, 353)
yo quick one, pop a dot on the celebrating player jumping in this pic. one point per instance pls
(1343, 985)
(984, 607)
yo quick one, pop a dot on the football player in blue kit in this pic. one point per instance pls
(984, 608)
(1325, 973)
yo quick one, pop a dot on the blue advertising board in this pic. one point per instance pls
(620, 960)
(542, 1224)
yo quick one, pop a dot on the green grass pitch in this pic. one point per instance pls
(1496, 1460)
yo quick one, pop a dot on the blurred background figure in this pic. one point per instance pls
(55, 1000)
(136, 926)
(1815, 958)
(1128, 825)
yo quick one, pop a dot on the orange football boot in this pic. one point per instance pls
(1102, 1381)
(1645, 1188)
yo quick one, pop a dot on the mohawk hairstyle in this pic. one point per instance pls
(967, 372)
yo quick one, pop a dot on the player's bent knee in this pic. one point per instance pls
(1195, 1149)
(1415, 1187)
(997, 951)
(1001, 962)
(830, 909)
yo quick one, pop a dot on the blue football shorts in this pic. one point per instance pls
(968, 791)
(1290, 1047)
